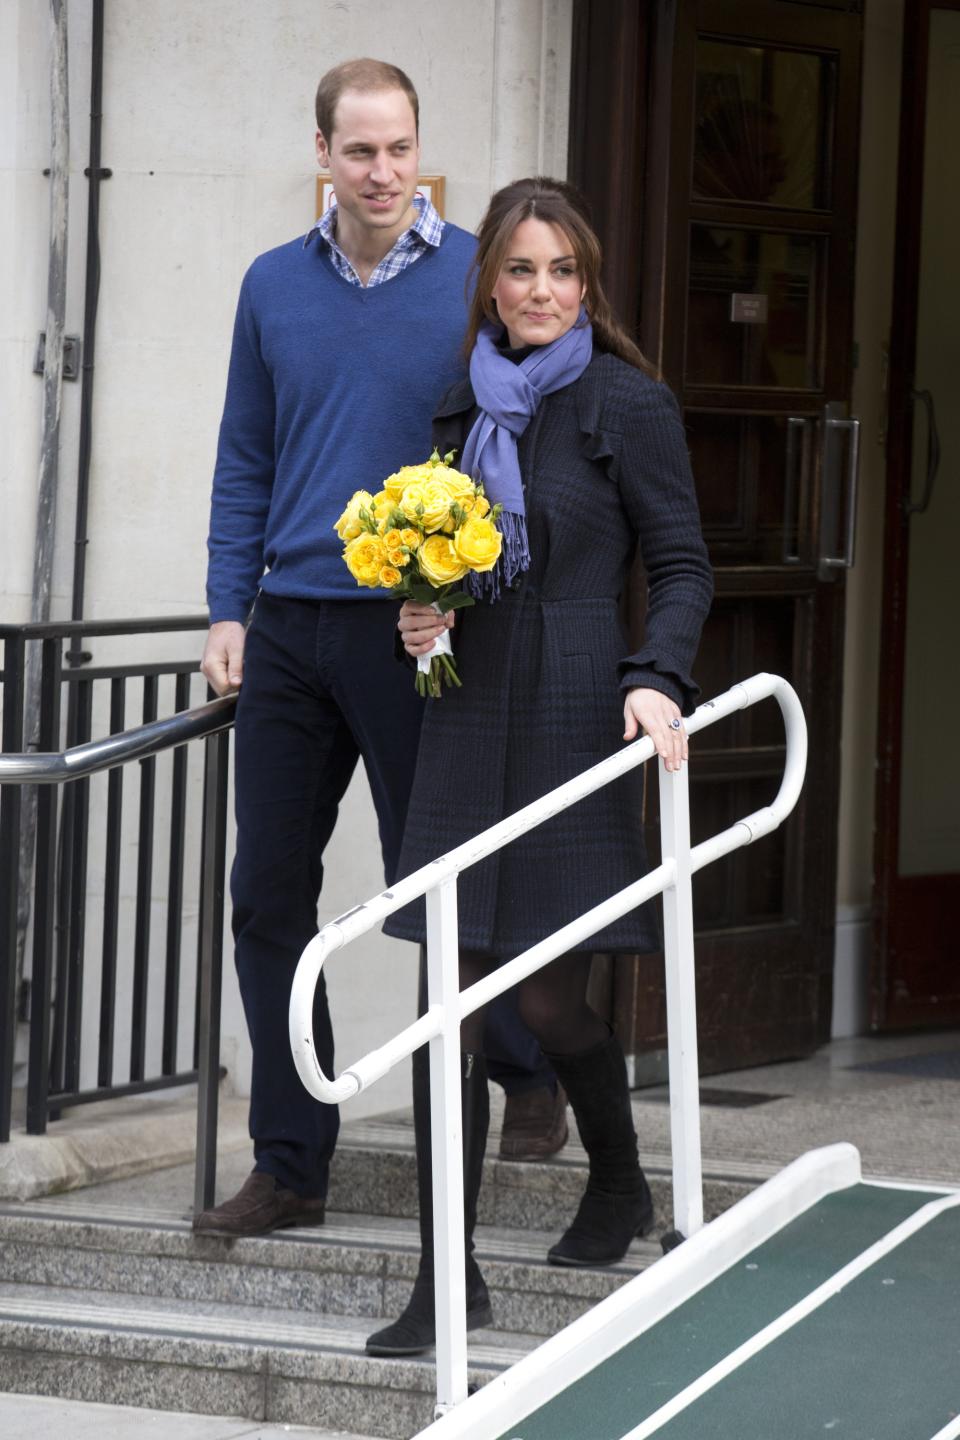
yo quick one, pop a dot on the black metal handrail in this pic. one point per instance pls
(59, 882)
(31, 767)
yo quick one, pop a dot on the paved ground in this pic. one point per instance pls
(27, 1417)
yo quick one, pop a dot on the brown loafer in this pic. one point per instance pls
(534, 1124)
(261, 1204)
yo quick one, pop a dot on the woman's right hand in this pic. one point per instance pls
(419, 626)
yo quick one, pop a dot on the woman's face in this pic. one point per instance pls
(539, 288)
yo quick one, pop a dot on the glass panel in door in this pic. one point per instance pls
(762, 131)
(754, 301)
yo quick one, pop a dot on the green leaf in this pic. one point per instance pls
(458, 601)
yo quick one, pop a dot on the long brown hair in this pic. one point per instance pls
(556, 203)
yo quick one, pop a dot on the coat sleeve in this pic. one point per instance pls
(244, 473)
(657, 492)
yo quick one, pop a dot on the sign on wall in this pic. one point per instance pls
(429, 186)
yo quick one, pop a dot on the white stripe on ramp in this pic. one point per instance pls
(793, 1316)
(949, 1432)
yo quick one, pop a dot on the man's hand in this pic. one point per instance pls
(222, 661)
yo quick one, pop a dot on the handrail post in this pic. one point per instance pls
(449, 1264)
(212, 874)
(45, 899)
(681, 1002)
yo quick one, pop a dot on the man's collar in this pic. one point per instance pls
(427, 224)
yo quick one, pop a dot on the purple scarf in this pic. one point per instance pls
(508, 396)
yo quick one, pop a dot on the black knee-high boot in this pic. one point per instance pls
(616, 1204)
(415, 1330)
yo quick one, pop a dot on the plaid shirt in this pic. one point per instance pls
(426, 230)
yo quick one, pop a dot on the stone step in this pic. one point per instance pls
(357, 1266)
(374, 1173)
(214, 1358)
(109, 1295)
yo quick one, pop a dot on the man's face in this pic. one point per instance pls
(373, 157)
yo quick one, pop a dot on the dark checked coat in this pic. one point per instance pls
(605, 466)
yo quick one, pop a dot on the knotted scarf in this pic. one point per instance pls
(508, 395)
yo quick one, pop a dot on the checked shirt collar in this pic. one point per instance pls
(426, 229)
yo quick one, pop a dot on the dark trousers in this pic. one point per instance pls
(320, 689)
(513, 1055)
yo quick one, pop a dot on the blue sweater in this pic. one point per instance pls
(331, 388)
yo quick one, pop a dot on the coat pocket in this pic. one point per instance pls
(582, 643)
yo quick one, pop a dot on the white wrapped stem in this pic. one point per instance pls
(441, 646)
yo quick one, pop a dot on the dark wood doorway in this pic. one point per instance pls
(915, 974)
(724, 181)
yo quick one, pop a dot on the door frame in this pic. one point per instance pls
(896, 545)
(621, 137)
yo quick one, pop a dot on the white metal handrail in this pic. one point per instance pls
(447, 1005)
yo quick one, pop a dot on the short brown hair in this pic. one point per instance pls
(365, 76)
(556, 203)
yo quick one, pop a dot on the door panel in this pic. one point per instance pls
(746, 519)
(745, 292)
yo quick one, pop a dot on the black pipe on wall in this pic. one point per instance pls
(91, 297)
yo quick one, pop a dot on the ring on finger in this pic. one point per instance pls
(675, 723)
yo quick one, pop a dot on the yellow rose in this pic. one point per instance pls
(399, 545)
(389, 576)
(365, 557)
(394, 485)
(475, 504)
(460, 486)
(383, 506)
(477, 543)
(427, 502)
(349, 526)
(439, 563)
(410, 499)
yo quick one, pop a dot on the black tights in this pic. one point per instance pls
(552, 1004)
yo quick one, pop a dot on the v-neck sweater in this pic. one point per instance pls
(331, 388)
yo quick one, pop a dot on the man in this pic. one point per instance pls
(344, 343)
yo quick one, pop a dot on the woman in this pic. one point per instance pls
(566, 426)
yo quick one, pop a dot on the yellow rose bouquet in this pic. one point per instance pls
(419, 537)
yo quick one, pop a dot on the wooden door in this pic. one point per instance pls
(744, 159)
(916, 976)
